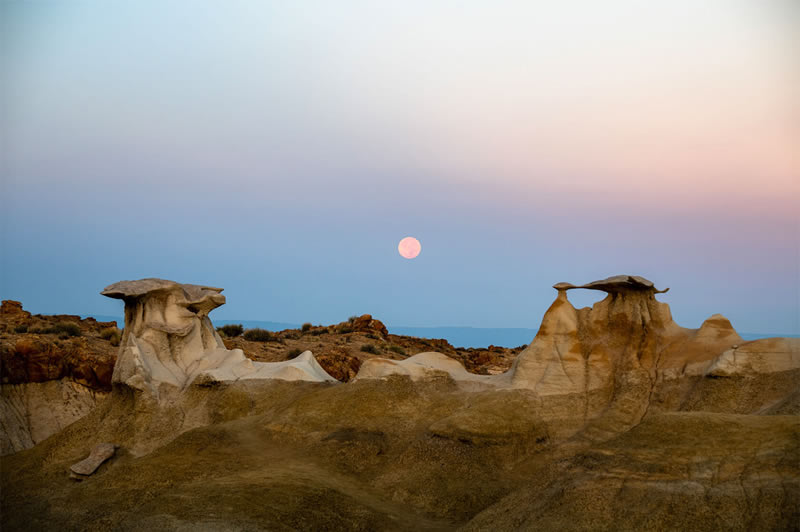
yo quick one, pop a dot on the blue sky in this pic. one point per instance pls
(281, 150)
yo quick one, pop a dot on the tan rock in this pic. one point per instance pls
(169, 340)
(99, 454)
(430, 365)
(768, 355)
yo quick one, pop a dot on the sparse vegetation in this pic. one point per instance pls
(351, 319)
(344, 329)
(397, 349)
(19, 329)
(112, 334)
(369, 348)
(317, 332)
(294, 353)
(67, 328)
(306, 327)
(107, 333)
(232, 330)
(257, 335)
(64, 329)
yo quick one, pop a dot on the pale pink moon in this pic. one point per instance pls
(409, 247)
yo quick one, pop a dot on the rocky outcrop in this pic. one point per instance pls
(11, 312)
(425, 366)
(31, 412)
(169, 340)
(770, 355)
(580, 350)
(613, 418)
(367, 324)
(37, 358)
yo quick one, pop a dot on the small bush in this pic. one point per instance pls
(108, 333)
(19, 329)
(344, 329)
(112, 334)
(369, 348)
(397, 349)
(306, 327)
(67, 328)
(257, 335)
(232, 330)
(294, 353)
(317, 332)
(351, 319)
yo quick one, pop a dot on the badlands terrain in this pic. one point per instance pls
(613, 418)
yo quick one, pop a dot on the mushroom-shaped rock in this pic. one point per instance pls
(580, 350)
(615, 284)
(169, 340)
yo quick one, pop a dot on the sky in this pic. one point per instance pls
(281, 150)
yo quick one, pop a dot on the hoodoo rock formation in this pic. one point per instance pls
(169, 340)
(612, 418)
(599, 370)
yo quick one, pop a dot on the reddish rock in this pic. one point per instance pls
(11, 312)
(366, 324)
(39, 352)
(339, 365)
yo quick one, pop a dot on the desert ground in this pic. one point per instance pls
(613, 418)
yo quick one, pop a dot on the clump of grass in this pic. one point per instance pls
(64, 329)
(67, 329)
(306, 327)
(257, 335)
(397, 349)
(294, 353)
(112, 334)
(369, 348)
(232, 330)
(19, 329)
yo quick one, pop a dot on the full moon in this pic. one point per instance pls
(409, 247)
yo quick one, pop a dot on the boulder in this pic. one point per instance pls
(99, 454)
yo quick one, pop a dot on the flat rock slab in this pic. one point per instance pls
(99, 454)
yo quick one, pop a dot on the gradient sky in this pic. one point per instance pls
(282, 149)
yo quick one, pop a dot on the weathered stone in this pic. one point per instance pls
(99, 454)
(615, 284)
(169, 340)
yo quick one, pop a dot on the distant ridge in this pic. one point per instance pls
(457, 336)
